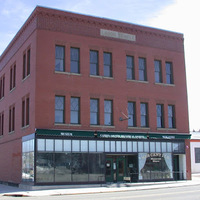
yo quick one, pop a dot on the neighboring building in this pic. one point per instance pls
(92, 100)
(195, 152)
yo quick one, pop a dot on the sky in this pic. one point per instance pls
(180, 16)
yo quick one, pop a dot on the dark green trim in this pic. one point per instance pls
(101, 134)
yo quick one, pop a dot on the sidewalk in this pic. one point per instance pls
(14, 191)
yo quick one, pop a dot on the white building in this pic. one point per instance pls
(195, 152)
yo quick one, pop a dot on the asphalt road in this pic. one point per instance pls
(180, 193)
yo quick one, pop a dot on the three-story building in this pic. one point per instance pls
(92, 100)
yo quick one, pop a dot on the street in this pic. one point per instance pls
(179, 193)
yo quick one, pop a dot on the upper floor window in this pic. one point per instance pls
(158, 71)
(12, 76)
(60, 58)
(2, 86)
(169, 73)
(26, 63)
(130, 67)
(108, 112)
(131, 114)
(25, 111)
(160, 115)
(59, 109)
(94, 111)
(94, 63)
(142, 69)
(1, 123)
(11, 118)
(144, 114)
(171, 116)
(75, 60)
(107, 57)
(75, 110)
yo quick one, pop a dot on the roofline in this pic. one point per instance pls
(58, 12)
(109, 19)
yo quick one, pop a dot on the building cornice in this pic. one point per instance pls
(90, 22)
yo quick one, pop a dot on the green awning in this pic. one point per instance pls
(101, 134)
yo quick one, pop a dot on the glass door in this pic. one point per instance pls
(109, 170)
(176, 167)
(120, 168)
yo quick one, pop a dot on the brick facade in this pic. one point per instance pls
(46, 28)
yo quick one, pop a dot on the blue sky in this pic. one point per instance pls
(174, 15)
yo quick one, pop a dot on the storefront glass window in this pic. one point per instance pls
(155, 166)
(135, 149)
(28, 160)
(124, 146)
(62, 167)
(45, 167)
(129, 146)
(67, 145)
(75, 145)
(112, 146)
(146, 147)
(100, 146)
(107, 146)
(119, 146)
(92, 146)
(169, 147)
(164, 147)
(84, 146)
(140, 147)
(80, 164)
(49, 145)
(96, 167)
(41, 144)
(58, 145)
(158, 147)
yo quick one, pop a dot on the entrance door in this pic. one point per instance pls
(115, 168)
(176, 167)
(120, 168)
(109, 170)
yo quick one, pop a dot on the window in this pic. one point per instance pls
(130, 67)
(142, 69)
(1, 123)
(2, 86)
(131, 114)
(26, 63)
(25, 111)
(171, 116)
(75, 110)
(75, 59)
(60, 58)
(12, 76)
(169, 73)
(59, 109)
(94, 63)
(108, 112)
(107, 57)
(160, 115)
(144, 114)
(94, 111)
(197, 155)
(12, 118)
(158, 71)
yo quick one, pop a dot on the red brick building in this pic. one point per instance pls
(92, 100)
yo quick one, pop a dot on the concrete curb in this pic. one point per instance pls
(58, 192)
